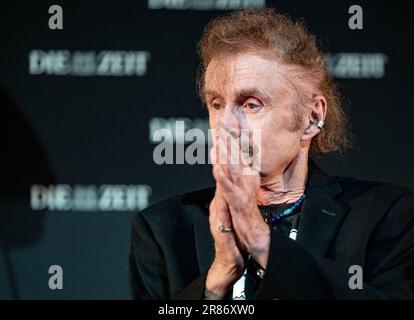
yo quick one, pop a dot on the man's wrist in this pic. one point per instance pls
(209, 295)
(216, 287)
(259, 249)
(219, 281)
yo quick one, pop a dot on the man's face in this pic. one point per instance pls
(253, 90)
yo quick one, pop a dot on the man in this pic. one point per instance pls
(282, 229)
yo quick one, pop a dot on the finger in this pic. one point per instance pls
(224, 214)
(215, 149)
(245, 145)
(213, 155)
(218, 156)
(222, 155)
(226, 186)
(222, 152)
(234, 158)
(221, 217)
(230, 155)
(229, 192)
(246, 140)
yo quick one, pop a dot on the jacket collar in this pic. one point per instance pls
(322, 214)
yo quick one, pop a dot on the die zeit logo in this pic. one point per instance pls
(63, 197)
(88, 63)
(204, 4)
(355, 65)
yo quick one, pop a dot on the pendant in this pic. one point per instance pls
(266, 218)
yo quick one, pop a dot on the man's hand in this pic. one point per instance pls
(239, 184)
(228, 264)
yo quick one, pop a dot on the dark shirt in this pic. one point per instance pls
(284, 225)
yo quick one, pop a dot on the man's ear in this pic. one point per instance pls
(316, 117)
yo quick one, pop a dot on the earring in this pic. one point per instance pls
(318, 123)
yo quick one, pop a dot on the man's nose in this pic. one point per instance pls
(229, 120)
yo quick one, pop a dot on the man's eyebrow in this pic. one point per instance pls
(212, 93)
(254, 92)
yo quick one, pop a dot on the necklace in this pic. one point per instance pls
(239, 286)
(288, 211)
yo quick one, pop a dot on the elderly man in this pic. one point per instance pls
(283, 229)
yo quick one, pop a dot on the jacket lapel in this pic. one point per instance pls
(321, 214)
(204, 244)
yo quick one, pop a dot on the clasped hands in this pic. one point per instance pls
(234, 208)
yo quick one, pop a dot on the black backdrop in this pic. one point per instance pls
(81, 128)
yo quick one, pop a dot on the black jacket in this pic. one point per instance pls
(345, 222)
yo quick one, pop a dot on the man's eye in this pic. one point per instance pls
(252, 106)
(216, 105)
